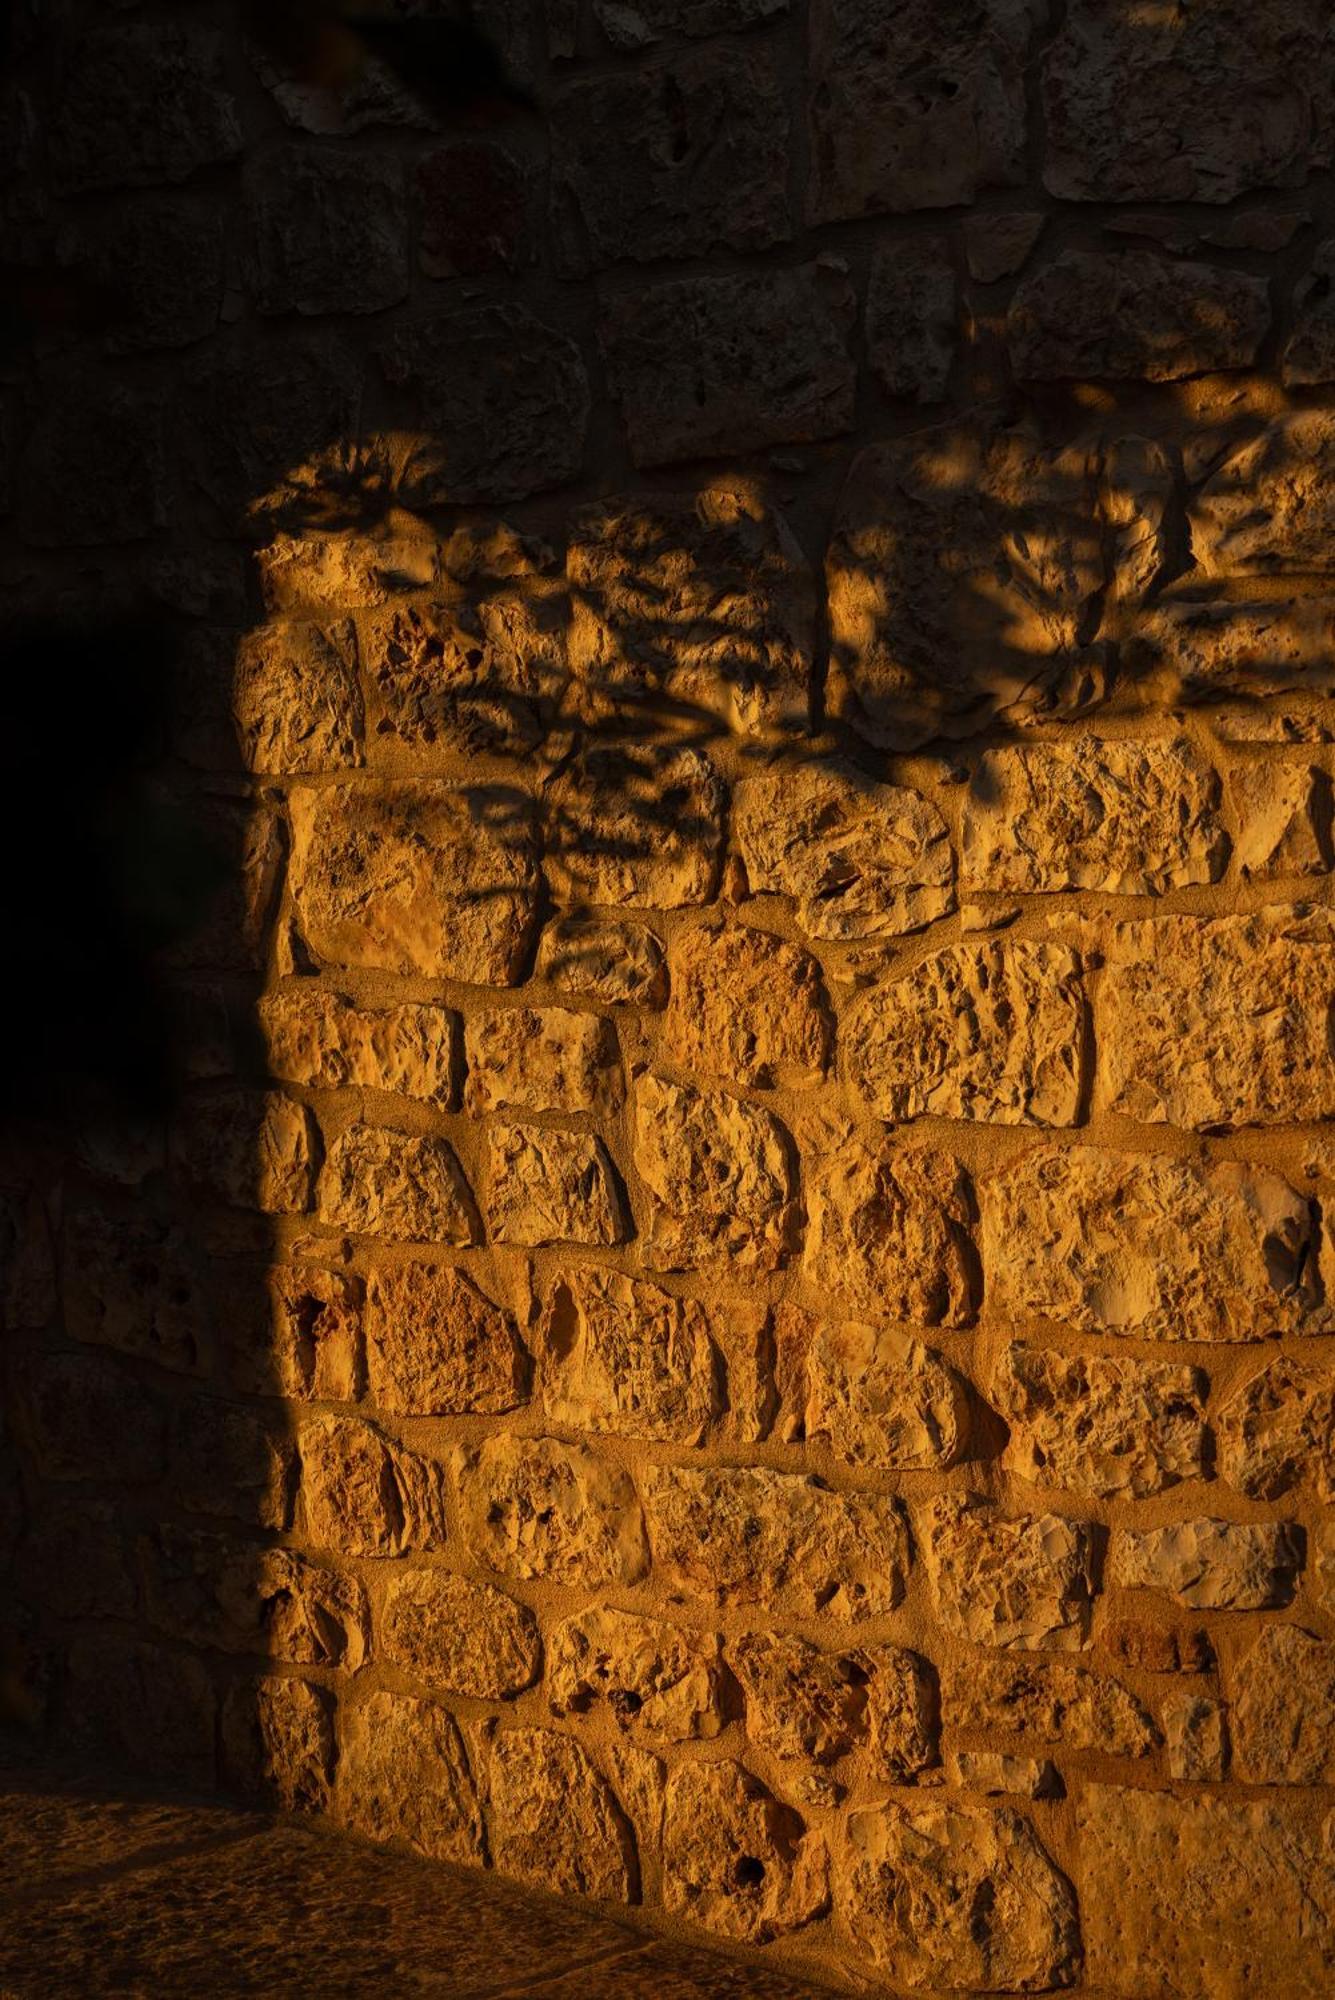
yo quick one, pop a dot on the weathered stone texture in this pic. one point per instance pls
(1099, 1424)
(278, 1742)
(1126, 818)
(736, 1860)
(552, 1187)
(436, 1345)
(555, 1822)
(315, 1037)
(251, 1149)
(986, 1031)
(300, 1337)
(731, 364)
(1203, 1898)
(1283, 1709)
(743, 1535)
(1196, 1738)
(142, 103)
(530, 1507)
(329, 231)
(721, 1175)
(204, 1588)
(296, 700)
(1146, 1245)
(464, 679)
(869, 1395)
(859, 859)
(1268, 509)
(404, 1776)
(912, 318)
(813, 1707)
(1277, 1433)
(650, 1676)
(1133, 315)
(434, 879)
(620, 1355)
(1025, 1582)
(1049, 1702)
(458, 1636)
(538, 1059)
(1279, 807)
(634, 825)
(1210, 1565)
(133, 1282)
(601, 958)
(888, 1231)
(746, 1007)
(398, 1185)
(1221, 1021)
(1309, 352)
(363, 1495)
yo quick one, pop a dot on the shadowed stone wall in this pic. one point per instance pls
(732, 1315)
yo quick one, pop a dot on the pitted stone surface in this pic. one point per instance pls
(1025, 1582)
(1276, 1433)
(746, 1006)
(888, 1231)
(397, 1185)
(1132, 315)
(1099, 1424)
(869, 1395)
(621, 1355)
(736, 1860)
(532, 1507)
(552, 1187)
(649, 1675)
(315, 1037)
(721, 1175)
(1210, 1565)
(458, 1636)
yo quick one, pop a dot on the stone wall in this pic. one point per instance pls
(734, 1316)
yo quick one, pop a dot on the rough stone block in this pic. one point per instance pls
(501, 404)
(859, 859)
(1269, 508)
(552, 1187)
(1023, 1583)
(296, 702)
(1196, 1738)
(329, 231)
(555, 1822)
(209, 1590)
(429, 878)
(132, 1281)
(317, 1038)
(278, 1742)
(888, 1231)
(746, 1007)
(736, 1860)
(721, 1176)
(808, 1706)
(464, 679)
(990, 1031)
(436, 1345)
(539, 1059)
(699, 601)
(651, 1677)
(602, 958)
(1309, 352)
(458, 1636)
(248, 1148)
(403, 1775)
(1096, 1424)
(1151, 1246)
(225, 1459)
(960, 1897)
(1279, 809)
(299, 1335)
(998, 245)
(917, 106)
(731, 364)
(870, 1395)
(634, 825)
(1129, 315)
(746, 1535)
(1276, 1433)
(1049, 1701)
(1210, 1565)
(996, 1774)
(162, 262)
(112, 1685)
(912, 318)
(673, 159)
(361, 1495)
(620, 1355)
(1124, 818)
(399, 1185)
(1283, 1709)
(142, 102)
(531, 1507)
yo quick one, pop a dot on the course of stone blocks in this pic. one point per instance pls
(736, 1316)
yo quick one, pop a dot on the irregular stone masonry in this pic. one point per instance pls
(735, 1315)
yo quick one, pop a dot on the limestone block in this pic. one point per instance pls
(991, 1031)
(538, 1059)
(746, 1535)
(877, 1703)
(1132, 315)
(603, 958)
(1268, 509)
(699, 601)
(250, 845)
(132, 1281)
(531, 1507)
(209, 1590)
(1196, 1738)
(1049, 1701)
(458, 1636)
(634, 826)
(363, 1495)
(651, 1677)
(251, 1149)
(258, 425)
(436, 1345)
(882, 143)
(88, 1417)
(996, 246)
(317, 1038)
(555, 1822)
(229, 1460)
(501, 402)
(1210, 1565)
(278, 1742)
(746, 1008)
(1283, 1709)
(1023, 1583)
(142, 102)
(1164, 107)
(1125, 818)
(427, 878)
(1217, 1021)
(859, 859)
(957, 1896)
(464, 679)
(1098, 1424)
(971, 571)
(888, 1231)
(912, 318)
(870, 1395)
(1277, 1433)
(673, 159)
(1277, 812)
(1309, 352)
(721, 1176)
(475, 201)
(295, 699)
(618, 1354)
(403, 1775)
(1202, 1897)
(329, 231)
(720, 365)
(735, 1859)
(552, 1187)
(300, 1336)
(1157, 1649)
(997, 1774)
(1149, 1246)
(401, 1185)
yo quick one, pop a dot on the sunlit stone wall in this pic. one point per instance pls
(734, 1316)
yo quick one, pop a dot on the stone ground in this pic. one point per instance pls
(104, 1889)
